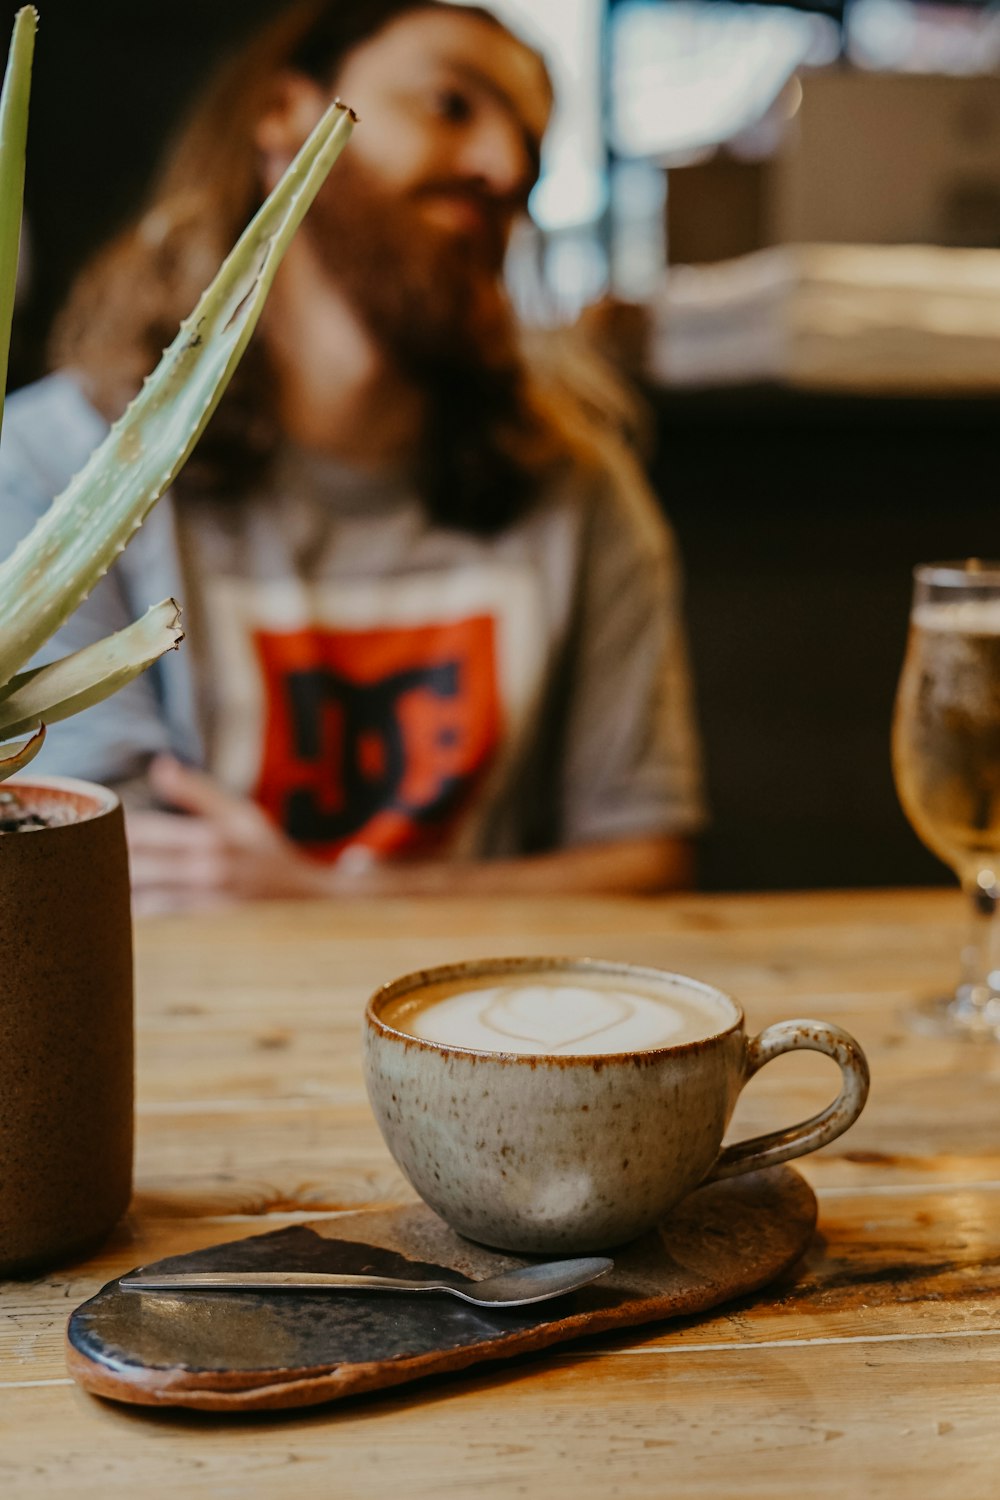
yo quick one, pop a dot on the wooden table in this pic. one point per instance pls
(873, 1370)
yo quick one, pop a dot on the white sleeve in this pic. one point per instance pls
(632, 764)
(44, 444)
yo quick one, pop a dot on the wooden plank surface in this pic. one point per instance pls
(873, 1369)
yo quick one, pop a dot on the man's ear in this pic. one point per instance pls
(296, 105)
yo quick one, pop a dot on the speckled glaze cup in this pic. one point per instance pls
(568, 1154)
(66, 1032)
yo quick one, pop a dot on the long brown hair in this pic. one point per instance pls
(488, 443)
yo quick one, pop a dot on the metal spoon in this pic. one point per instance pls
(509, 1289)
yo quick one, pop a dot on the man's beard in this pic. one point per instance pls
(436, 305)
(434, 301)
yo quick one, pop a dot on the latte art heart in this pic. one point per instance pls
(555, 1014)
(561, 1019)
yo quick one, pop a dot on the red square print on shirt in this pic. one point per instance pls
(376, 737)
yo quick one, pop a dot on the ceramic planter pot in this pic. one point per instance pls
(66, 1032)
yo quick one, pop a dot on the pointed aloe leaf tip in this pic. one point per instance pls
(55, 567)
(14, 101)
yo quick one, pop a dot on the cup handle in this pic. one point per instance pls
(798, 1140)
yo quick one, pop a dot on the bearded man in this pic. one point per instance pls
(434, 633)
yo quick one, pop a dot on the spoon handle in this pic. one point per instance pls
(289, 1281)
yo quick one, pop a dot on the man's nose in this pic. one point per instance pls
(497, 155)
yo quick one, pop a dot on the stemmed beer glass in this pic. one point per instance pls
(946, 762)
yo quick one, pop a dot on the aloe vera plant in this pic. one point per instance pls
(72, 546)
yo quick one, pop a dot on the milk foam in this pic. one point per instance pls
(965, 616)
(575, 1014)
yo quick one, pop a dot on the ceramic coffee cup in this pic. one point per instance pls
(558, 1149)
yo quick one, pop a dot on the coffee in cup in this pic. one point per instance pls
(548, 1012)
(552, 1105)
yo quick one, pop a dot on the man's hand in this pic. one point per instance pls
(223, 850)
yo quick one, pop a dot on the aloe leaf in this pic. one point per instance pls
(13, 140)
(69, 549)
(78, 681)
(18, 756)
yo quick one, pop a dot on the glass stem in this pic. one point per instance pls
(978, 993)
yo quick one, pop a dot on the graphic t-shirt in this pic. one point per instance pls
(376, 736)
(375, 681)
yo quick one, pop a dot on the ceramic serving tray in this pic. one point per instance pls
(256, 1351)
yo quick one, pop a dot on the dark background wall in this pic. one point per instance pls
(111, 78)
(801, 517)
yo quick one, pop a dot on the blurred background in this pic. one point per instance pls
(783, 224)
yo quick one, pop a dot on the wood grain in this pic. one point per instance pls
(820, 1421)
(872, 1370)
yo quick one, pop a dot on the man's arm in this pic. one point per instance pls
(621, 867)
(225, 849)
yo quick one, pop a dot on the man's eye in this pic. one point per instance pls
(454, 106)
